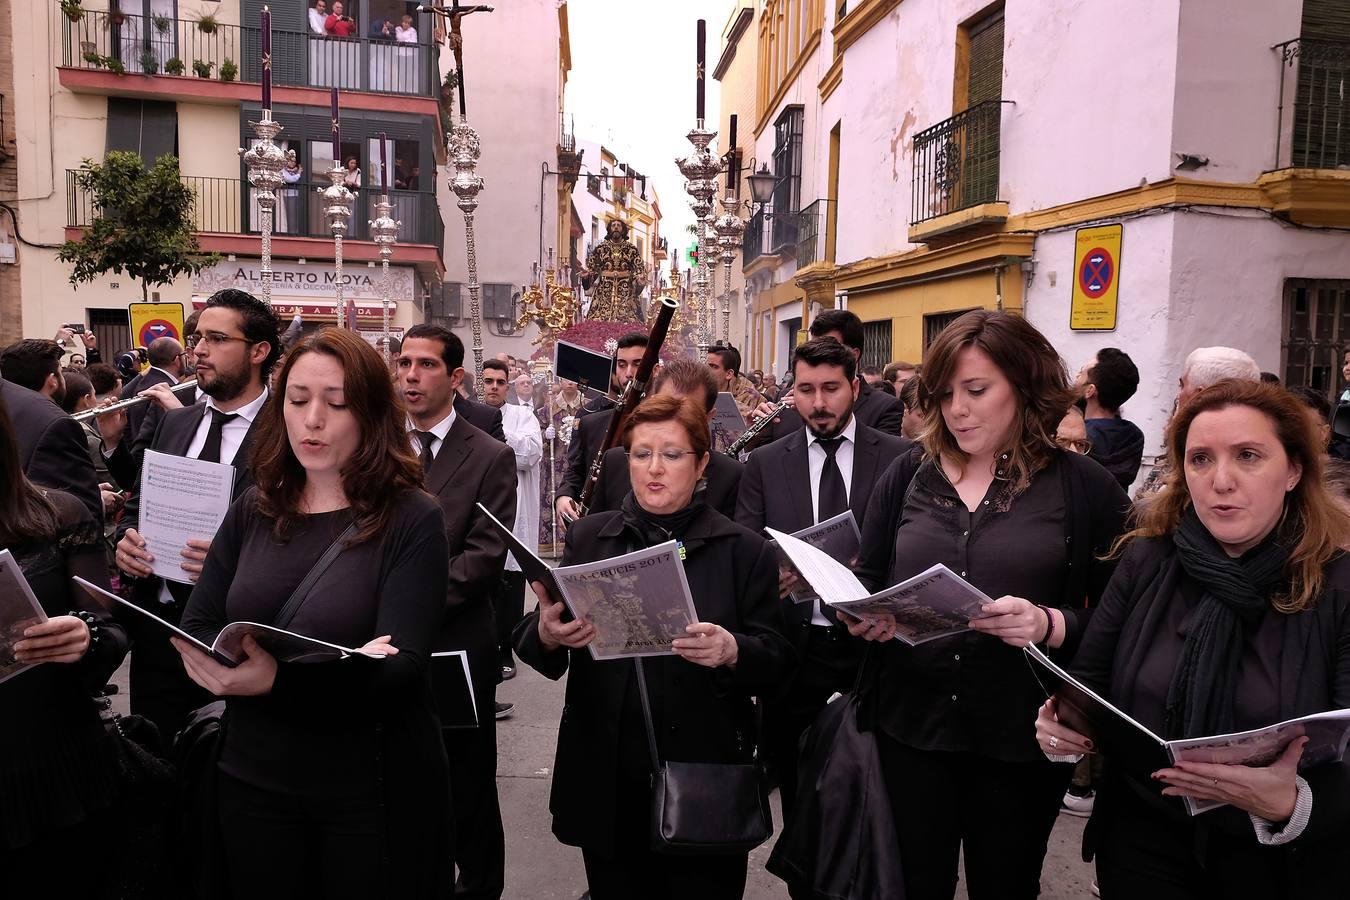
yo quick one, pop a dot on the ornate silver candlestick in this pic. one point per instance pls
(701, 167)
(265, 161)
(463, 149)
(338, 208)
(730, 232)
(384, 232)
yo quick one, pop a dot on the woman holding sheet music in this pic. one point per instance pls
(58, 776)
(1230, 611)
(332, 776)
(995, 500)
(700, 694)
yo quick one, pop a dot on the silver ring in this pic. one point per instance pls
(1215, 781)
(1054, 742)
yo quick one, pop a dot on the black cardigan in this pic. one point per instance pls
(1314, 677)
(701, 714)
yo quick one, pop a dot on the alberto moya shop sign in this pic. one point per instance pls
(359, 282)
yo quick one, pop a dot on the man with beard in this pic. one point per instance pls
(52, 446)
(828, 467)
(613, 277)
(236, 344)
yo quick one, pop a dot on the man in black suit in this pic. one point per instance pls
(628, 353)
(464, 467)
(823, 469)
(236, 345)
(592, 426)
(52, 445)
(481, 416)
(166, 357)
(875, 409)
(678, 378)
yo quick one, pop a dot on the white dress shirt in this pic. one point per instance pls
(232, 433)
(439, 430)
(317, 20)
(815, 464)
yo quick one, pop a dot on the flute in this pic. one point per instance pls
(734, 451)
(127, 403)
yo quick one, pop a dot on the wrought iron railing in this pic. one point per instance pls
(956, 162)
(785, 228)
(753, 242)
(160, 45)
(228, 206)
(1315, 77)
(811, 228)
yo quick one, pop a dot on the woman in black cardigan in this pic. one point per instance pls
(999, 503)
(700, 696)
(1230, 610)
(58, 775)
(332, 777)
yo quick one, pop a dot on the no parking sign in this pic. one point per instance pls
(155, 320)
(1096, 281)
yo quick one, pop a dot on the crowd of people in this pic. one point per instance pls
(1216, 600)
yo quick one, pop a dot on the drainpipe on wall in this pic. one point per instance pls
(998, 288)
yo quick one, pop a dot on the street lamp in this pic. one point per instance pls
(761, 184)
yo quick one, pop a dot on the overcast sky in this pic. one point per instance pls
(632, 88)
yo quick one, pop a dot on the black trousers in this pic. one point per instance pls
(1000, 813)
(282, 846)
(508, 609)
(652, 876)
(67, 861)
(480, 842)
(161, 690)
(828, 665)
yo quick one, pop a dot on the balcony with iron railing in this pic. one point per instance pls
(811, 228)
(165, 46)
(956, 173)
(1310, 181)
(228, 206)
(753, 243)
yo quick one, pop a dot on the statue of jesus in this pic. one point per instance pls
(613, 277)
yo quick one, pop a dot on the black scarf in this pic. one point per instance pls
(1236, 591)
(651, 528)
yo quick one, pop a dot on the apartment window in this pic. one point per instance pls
(787, 167)
(1321, 104)
(985, 79)
(112, 329)
(593, 185)
(876, 344)
(1316, 333)
(147, 127)
(934, 324)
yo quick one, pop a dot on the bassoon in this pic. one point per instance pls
(632, 396)
(734, 451)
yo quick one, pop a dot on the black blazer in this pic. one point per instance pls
(480, 415)
(723, 476)
(472, 468)
(1314, 676)
(701, 714)
(875, 409)
(587, 437)
(53, 449)
(776, 491)
(142, 382)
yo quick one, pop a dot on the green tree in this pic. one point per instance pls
(143, 223)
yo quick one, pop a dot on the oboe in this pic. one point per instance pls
(127, 403)
(734, 451)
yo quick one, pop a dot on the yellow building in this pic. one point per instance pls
(159, 78)
(736, 72)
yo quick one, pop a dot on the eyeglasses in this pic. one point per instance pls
(1076, 445)
(213, 339)
(670, 455)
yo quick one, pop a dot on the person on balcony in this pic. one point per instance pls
(289, 209)
(405, 33)
(339, 24)
(353, 177)
(318, 16)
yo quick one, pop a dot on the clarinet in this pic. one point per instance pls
(734, 451)
(632, 396)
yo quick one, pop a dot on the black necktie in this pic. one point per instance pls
(427, 438)
(211, 449)
(832, 497)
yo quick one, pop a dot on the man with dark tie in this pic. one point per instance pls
(825, 468)
(236, 344)
(167, 361)
(465, 467)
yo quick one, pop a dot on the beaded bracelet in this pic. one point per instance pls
(1049, 627)
(94, 623)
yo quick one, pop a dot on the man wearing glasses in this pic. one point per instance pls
(236, 344)
(166, 367)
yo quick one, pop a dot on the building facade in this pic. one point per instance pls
(736, 73)
(610, 187)
(157, 77)
(977, 155)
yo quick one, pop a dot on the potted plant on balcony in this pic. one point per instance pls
(92, 57)
(207, 23)
(116, 17)
(162, 23)
(174, 66)
(202, 68)
(72, 10)
(228, 70)
(149, 62)
(114, 65)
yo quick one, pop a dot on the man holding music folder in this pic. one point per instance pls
(825, 469)
(236, 344)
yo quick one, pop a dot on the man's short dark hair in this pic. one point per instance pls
(498, 365)
(688, 376)
(633, 339)
(260, 324)
(1115, 376)
(909, 393)
(27, 363)
(826, 352)
(103, 377)
(1270, 378)
(163, 351)
(895, 368)
(841, 320)
(1313, 399)
(452, 348)
(728, 356)
(872, 370)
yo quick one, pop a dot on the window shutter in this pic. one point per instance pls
(986, 60)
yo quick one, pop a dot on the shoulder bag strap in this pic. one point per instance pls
(647, 714)
(297, 598)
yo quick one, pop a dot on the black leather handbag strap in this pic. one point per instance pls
(647, 714)
(297, 598)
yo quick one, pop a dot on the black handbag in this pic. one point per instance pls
(704, 808)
